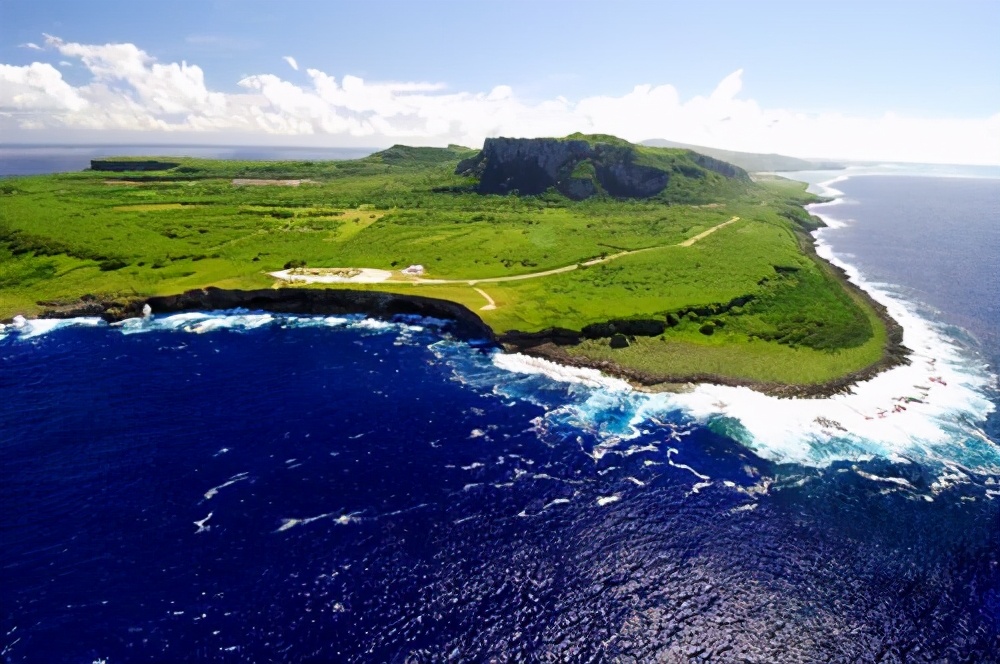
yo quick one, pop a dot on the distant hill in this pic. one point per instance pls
(406, 156)
(750, 161)
(580, 166)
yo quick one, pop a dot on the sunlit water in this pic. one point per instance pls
(242, 486)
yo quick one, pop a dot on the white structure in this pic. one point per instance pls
(414, 271)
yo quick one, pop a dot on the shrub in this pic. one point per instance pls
(618, 341)
(112, 264)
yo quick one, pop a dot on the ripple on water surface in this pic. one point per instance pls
(249, 486)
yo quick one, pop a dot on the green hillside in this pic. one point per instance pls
(711, 274)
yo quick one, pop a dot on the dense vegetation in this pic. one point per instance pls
(747, 300)
(750, 161)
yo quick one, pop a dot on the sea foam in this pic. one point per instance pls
(235, 320)
(29, 329)
(930, 409)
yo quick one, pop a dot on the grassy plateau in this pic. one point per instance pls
(747, 301)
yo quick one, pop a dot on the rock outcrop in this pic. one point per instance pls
(583, 167)
(119, 166)
(314, 301)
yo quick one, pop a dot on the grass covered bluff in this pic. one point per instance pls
(660, 262)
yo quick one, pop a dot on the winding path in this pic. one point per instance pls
(691, 240)
(375, 276)
(490, 303)
(574, 266)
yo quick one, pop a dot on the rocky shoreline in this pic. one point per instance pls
(547, 344)
(310, 301)
(550, 344)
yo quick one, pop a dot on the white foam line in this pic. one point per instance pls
(233, 480)
(699, 486)
(201, 524)
(927, 409)
(880, 416)
(671, 452)
(525, 364)
(342, 520)
(201, 322)
(22, 328)
(951, 477)
(636, 449)
(557, 501)
(899, 481)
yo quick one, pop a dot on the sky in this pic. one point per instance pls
(904, 80)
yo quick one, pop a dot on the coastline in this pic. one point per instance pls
(309, 301)
(546, 344)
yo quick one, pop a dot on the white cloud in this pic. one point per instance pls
(32, 46)
(291, 62)
(36, 88)
(129, 90)
(729, 87)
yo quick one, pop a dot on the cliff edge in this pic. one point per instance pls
(581, 166)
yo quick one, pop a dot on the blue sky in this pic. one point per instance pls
(877, 74)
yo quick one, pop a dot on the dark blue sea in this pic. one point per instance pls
(250, 487)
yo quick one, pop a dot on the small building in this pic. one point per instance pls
(414, 271)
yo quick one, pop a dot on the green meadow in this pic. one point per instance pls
(748, 300)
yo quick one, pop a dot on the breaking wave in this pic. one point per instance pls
(201, 322)
(931, 410)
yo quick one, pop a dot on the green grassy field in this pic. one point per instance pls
(135, 234)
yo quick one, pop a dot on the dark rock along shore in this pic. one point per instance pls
(546, 344)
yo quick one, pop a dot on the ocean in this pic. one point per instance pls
(245, 486)
(41, 159)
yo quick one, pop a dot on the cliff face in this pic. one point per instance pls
(313, 301)
(131, 165)
(581, 168)
(527, 166)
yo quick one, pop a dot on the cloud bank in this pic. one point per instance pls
(129, 90)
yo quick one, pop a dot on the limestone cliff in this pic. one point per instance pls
(581, 166)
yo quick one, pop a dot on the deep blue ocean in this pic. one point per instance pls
(247, 487)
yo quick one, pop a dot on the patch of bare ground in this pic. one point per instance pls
(253, 182)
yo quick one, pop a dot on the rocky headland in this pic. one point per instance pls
(580, 168)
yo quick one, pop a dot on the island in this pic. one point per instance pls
(662, 266)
